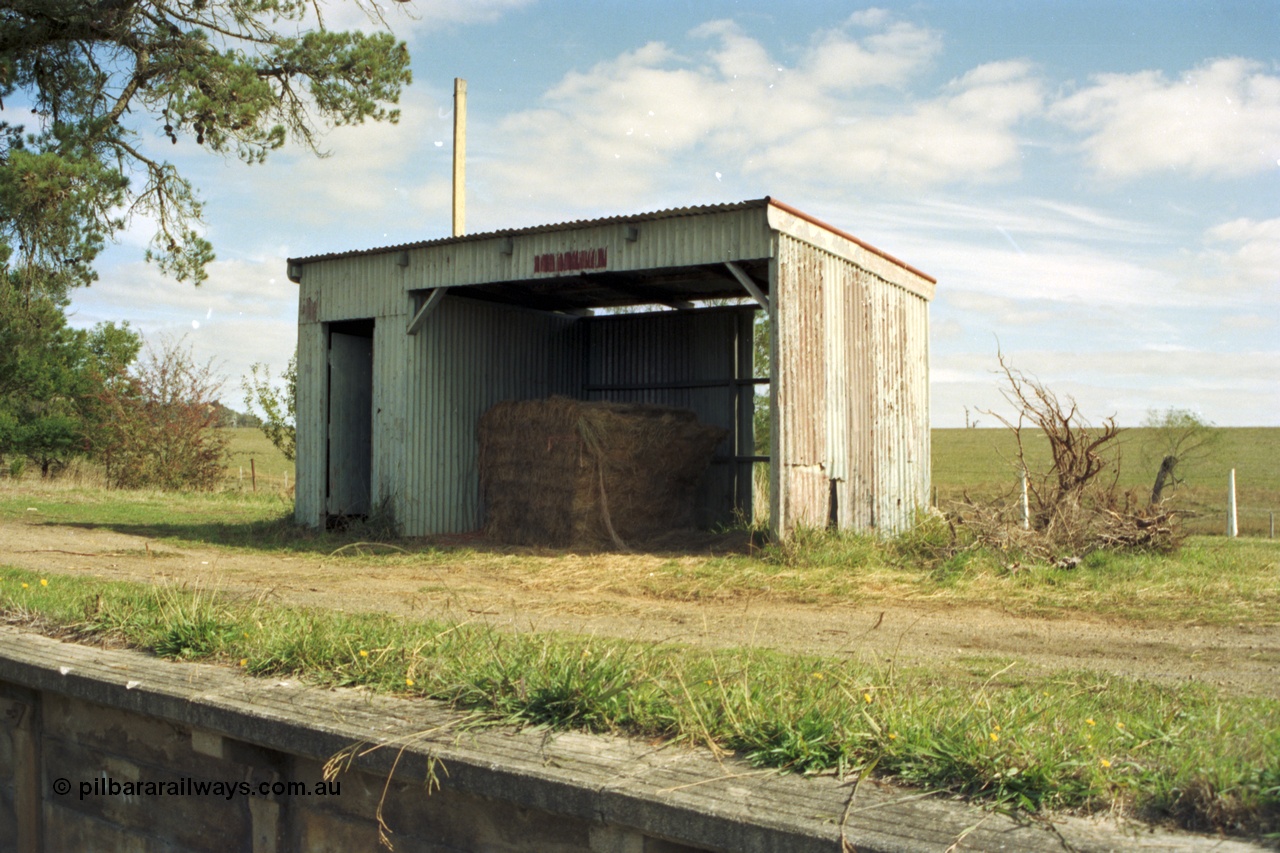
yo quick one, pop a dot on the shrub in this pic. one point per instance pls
(159, 425)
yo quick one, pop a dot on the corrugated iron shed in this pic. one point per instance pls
(441, 330)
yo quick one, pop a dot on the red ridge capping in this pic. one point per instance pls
(845, 234)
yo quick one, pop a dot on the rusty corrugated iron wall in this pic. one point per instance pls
(851, 395)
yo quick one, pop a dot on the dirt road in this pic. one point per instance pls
(1242, 659)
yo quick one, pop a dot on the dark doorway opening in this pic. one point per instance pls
(350, 431)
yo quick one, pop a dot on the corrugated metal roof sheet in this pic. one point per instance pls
(670, 213)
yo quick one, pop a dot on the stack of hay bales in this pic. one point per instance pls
(564, 472)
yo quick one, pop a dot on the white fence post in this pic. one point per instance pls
(1026, 505)
(1232, 528)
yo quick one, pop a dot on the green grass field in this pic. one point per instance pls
(981, 462)
(250, 450)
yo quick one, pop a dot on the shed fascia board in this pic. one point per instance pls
(629, 222)
(800, 226)
(737, 234)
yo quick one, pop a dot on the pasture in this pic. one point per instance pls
(980, 463)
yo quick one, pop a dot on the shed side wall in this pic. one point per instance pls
(851, 353)
(350, 289)
(801, 475)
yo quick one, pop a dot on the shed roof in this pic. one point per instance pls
(673, 284)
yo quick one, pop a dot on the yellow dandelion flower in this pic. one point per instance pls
(43, 582)
(1090, 722)
(994, 737)
(893, 735)
(408, 682)
(1120, 726)
(26, 586)
(1104, 762)
(867, 698)
(708, 682)
(997, 728)
(244, 661)
(364, 653)
(819, 676)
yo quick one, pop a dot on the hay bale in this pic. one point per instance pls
(564, 472)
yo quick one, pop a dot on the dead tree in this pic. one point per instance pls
(1080, 453)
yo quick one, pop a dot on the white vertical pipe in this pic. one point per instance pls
(1026, 504)
(1232, 528)
(459, 156)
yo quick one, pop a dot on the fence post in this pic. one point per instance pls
(1232, 528)
(253, 474)
(1025, 505)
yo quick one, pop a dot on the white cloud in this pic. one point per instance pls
(616, 133)
(1126, 383)
(1220, 119)
(1062, 272)
(836, 62)
(966, 135)
(376, 177)
(1255, 259)
(1237, 264)
(245, 313)
(873, 17)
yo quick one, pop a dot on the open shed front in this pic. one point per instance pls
(402, 349)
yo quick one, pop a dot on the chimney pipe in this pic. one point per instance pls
(459, 156)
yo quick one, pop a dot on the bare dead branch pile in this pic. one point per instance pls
(1074, 504)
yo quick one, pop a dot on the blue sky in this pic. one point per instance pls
(1096, 186)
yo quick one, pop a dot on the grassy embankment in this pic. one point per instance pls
(1075, 740)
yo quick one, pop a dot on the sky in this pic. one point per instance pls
(1095, 185)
